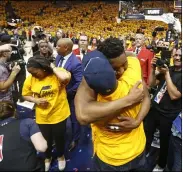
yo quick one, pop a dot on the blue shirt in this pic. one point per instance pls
(28, 127)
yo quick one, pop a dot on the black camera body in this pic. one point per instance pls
(165, 59)
(19, 62)
(39, 36)
(165, 55)
(162, 62)
(159, 29)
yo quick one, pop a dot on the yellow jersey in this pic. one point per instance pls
(50, 89)
(122, 147)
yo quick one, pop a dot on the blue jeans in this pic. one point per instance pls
(174, 160)
(136, 164)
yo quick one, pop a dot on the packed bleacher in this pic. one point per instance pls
(92, 18)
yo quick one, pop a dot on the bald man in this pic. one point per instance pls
(144, 55)
(70, 62)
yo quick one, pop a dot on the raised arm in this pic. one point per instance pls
(4, 85)
(88, 110)
(152, 75)
(63, 75)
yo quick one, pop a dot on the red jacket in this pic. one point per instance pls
(77, 52)
(131, 49)
(145, 56)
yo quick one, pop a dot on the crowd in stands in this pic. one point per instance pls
(96, 19)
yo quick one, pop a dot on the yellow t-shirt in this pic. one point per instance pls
(50, 89)
(120, 148)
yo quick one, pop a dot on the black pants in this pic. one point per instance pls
(76, 127)
(136, 164)
(17, 93)
(153, 120)
(54, 132)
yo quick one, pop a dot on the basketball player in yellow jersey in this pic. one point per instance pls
(114, 151)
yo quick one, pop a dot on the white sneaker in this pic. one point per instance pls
(47, 166)
(158, 168)
(61, 164)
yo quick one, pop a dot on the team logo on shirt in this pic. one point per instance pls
(46, 91)
(1, 147)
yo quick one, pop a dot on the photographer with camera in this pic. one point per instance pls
(37, 35)
(16, 57)
(37, 40)
(7, 78)
(166, 104)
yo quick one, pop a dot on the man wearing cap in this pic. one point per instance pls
(5, 38)
(117, 128)
(1, 34)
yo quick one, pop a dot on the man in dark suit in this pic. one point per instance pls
(82, 47)
(71, 63)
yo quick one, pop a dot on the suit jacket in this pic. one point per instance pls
(77, 52)
(73, 65)
(145, 56)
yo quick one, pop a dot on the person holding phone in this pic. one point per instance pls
(46, 88)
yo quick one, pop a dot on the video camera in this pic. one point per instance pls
(19, 62)
(164, 60)
(39, 34)
(162, 47)
(157, 29)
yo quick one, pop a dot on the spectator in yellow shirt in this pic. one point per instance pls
(46, 88)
